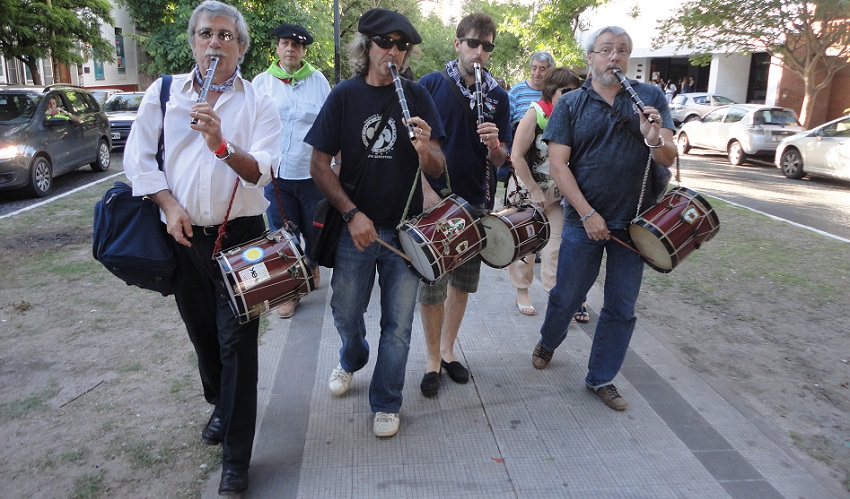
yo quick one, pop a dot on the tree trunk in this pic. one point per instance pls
(32, 64)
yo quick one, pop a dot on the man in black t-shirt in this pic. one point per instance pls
(372, 209)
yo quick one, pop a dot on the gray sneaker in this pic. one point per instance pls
(386, 424)
(340, 381)
(611, 397)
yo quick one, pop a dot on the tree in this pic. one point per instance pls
(68, 31)
(809, 38)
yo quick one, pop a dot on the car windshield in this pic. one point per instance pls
(120, 102)
(17, 107)
(779, 117)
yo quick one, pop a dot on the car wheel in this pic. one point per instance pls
(41, 177)
(737, 156)
(101, 162)
(792, 164)
(683, 144)
(691, 118)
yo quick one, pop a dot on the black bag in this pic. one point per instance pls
(131, 242)
(327, 223)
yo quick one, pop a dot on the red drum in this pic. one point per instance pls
(442, 238)
(669, 231)
(512, 233)
(261, 274)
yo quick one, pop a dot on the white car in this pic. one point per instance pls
(824, 150)
(694, 105)
(740, 130)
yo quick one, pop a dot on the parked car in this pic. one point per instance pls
(102, 95)
(121, 112)
(740, 130)
(824, 150)
(694, 105)
(34, 149)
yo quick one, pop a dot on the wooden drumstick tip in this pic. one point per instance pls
(393, 249)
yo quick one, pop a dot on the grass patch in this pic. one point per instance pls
(33, 404)
(89, 486)
(74, 456)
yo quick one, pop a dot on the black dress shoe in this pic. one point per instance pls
(213, 431)
(457, 372)
(430, 384)
(233, 482)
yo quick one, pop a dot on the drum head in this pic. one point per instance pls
(652, 247)
(501, 246)
(421, 257)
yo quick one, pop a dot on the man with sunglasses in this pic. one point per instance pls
(599, 151)
(471, 150)
(363, 112)
(231, 139)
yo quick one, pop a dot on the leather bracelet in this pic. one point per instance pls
(660, 144)
(589, 213)
(221, 148)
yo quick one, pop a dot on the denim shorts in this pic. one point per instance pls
(464, 278)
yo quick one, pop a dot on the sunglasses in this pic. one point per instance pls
(565, 90)
(387, 43)
(473, 43)
(206, 34)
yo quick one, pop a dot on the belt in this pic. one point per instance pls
(212, 230)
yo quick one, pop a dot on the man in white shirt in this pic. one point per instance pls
(234, 140)
(298, 90)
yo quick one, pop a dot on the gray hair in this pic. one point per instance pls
(615, 30)
(542, 56)
(358, 54)
(212, 8)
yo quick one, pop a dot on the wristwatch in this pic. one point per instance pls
(229, 151)
(348, 215)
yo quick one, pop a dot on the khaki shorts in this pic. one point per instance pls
(464, 278)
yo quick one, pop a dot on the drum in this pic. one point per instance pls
(512, 233)
(442, 238)
(669, 231)
(264, 273)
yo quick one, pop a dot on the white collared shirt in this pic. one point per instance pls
(200, 182)
(298, 105)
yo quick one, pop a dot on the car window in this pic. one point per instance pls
(715, 116)
(679, 99)
(719, 100)
(735, 114)
(123, 102)
(779, 117)
(839, 129)
(700, 100)
(16, 107)
(79, 104)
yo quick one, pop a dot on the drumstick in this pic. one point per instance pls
(393, 249)
(629, 246)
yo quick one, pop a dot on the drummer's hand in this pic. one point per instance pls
(651, 131)
(596, 228)
(362, 231)
(538, 197)
(423, 134)
(488, 133)
(209, 124)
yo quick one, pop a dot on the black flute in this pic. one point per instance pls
(401, 99)
(625, 83)
(479, 97)
(202, 97)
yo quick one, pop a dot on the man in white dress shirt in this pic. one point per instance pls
(236, 140)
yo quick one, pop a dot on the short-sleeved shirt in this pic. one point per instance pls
(608, 155)
(522, 95)
(348, 121)
(466, 156)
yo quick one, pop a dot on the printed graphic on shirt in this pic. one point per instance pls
(384, 145)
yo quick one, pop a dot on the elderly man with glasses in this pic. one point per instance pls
(527, 91)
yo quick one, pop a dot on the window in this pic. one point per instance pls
(714, 116)
(735, 115)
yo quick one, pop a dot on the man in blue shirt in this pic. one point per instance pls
(527, 91)
(471, 149)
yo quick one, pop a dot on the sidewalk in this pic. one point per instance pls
(512, 431)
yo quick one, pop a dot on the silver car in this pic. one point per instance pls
(694, 105)
(824, 150)
(740, 130)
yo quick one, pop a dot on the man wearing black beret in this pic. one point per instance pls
(298, 90)
(363, 113)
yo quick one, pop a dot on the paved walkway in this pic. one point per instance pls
(512, 431)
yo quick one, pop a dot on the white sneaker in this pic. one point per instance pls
(340, 381)
(386, 424)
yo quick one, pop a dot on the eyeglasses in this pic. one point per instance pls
(387, 43)
(607, 51)
(473, 43)
(206, 34)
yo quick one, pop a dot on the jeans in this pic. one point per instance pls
(298, 198)
(579, 262)
(352, 282)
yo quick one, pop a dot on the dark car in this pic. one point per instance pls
(121, 111)
(34, 149)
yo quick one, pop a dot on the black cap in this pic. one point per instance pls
(384, 22)
(295, 32)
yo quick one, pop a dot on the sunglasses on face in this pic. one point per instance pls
(473, 43)
(387, 43)
(206, 34)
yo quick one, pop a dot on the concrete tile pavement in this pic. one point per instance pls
(512, 431)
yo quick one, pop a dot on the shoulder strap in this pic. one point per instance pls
(463, 100)
(164, 96)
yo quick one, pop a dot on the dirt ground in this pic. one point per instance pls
(99, 395)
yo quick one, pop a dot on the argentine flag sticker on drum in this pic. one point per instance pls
(253, 254)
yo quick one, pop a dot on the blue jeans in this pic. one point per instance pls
(579, 261)
(299, 198)
(352, 282)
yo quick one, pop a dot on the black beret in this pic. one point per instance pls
(295, 32)
(384, 22)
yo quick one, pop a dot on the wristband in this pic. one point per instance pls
(221, 148)
(498, 143)
(584, 218)
(660, 144)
